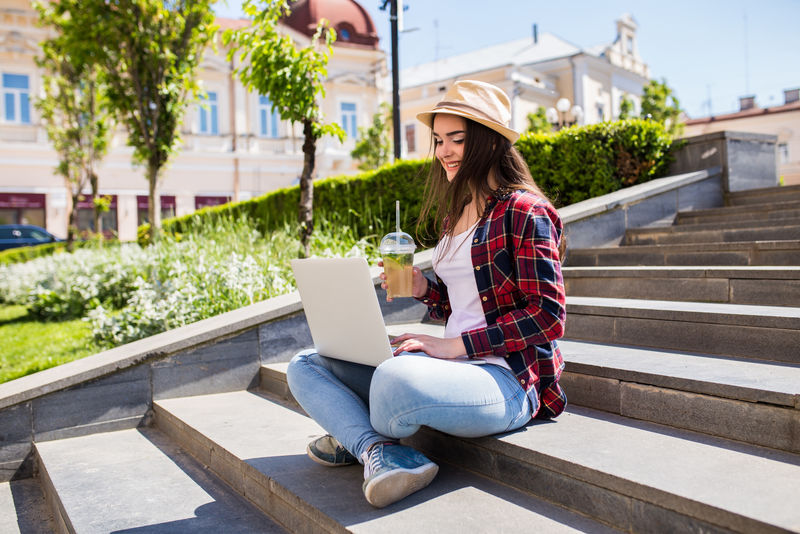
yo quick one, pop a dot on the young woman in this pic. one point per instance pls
(499, 289)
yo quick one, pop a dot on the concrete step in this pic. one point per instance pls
(767, 195)
(678, 234)
(760, 332)
(23, 509)
(638, 475)
(765, 285)
(258, 447)
(783, 253)
(777, 211)
(746, 400)
(137, 480)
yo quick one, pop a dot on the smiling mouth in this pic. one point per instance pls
(453, 165)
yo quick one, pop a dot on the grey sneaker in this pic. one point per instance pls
(393, 471)
(329, 452)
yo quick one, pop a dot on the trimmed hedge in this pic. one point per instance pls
(571, 165)
(23, 254)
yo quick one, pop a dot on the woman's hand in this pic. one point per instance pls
(443, 348)
(419, 284)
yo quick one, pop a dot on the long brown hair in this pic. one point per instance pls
(486, 153)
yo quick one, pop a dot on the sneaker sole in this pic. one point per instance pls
(326, 463)
(396, 484)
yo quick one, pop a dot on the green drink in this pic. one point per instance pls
(399, 269)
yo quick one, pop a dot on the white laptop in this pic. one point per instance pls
(342, 309)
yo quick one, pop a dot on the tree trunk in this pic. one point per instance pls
(72, 224)
(95, 207)
(306, 213)
(154, 203)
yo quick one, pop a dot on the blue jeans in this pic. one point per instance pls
(361, 405)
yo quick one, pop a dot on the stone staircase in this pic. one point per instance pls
(683, 375)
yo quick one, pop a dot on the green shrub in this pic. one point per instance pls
(583, 162)
(23, 254)
(571, 165)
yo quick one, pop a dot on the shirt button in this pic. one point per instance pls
(485, 299)
(478, 268)
(522, 381)
(476, 240)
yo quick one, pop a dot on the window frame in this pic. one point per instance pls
(208, 114)
(16, 93)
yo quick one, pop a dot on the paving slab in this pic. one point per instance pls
(259, 446)
(137, 480)
(23, 509)
(681, 234)
(777, 210)
(766, 195)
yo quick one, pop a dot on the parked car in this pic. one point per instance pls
(24, 235)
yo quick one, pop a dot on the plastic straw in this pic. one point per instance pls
(397, 216)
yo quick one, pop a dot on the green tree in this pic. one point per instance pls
(75, 114)
(625, 108)
(538, 123)
(660, 104)
(148, 52)
(292, 78)
(374, 146)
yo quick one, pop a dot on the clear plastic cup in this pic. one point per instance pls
(397, 251)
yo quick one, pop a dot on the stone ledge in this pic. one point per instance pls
(631, 195)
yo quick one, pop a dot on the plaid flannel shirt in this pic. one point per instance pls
(518, 273)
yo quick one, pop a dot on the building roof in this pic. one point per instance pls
(353, 25)
(232, 24)
(752, 112)
(517, 52)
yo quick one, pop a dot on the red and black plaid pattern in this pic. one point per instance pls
(518, 273)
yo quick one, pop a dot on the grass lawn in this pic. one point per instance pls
(28, 345)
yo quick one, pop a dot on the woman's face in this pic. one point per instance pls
(449, 132)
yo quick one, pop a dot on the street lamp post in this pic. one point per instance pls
(558, 115)
(395, 76)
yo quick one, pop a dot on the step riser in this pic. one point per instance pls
(760, 343)
(271, 498)
(782, 194)
(619, 257)
(780, 216)
(711, 236)
(765, 292)
(751, 422)
(589, 493)
(51, 497)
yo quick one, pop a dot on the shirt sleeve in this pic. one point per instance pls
(533, 239)
(436, 300)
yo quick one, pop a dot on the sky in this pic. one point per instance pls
(710, 52)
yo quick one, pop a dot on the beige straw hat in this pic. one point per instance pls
(479, 101)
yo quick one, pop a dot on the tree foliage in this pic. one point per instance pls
(661, 105)
(148, 52)
(538, 123)
(75, 112)
(292, 78)
(626, 108)
(374, 146)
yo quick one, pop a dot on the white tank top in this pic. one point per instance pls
(452, 262)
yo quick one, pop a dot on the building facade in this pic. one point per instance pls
(535, 72)
(782, 121)
(234, 146)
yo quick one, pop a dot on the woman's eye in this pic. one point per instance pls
(437, 142)
(458, 141)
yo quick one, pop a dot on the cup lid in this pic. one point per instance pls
(398, 241)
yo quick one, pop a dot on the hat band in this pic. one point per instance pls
(466, 107)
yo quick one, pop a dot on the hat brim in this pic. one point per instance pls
(426, 118)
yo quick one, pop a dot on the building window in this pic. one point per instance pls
(16, 99)
(209, 125)
(143, 205)
(783, 153)
(349, 123)
(108, 219)
(22, 208)
(205, 202)
(268, 120)
(629, 41)
(411, 141)
(601, 113)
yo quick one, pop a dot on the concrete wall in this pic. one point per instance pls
(748, 160)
